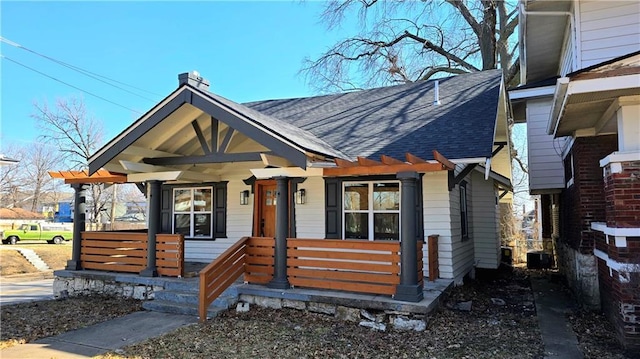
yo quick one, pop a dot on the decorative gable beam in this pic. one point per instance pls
(214, 134)
(500, 147)
(203, 141)
(210, 158)
(226, 140)
(275, 161)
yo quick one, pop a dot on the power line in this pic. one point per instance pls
(68, 84)
(84, 72)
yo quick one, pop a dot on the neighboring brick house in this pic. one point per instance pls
(580, 98)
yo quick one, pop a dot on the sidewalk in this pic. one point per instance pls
(552, 305)
(100, 338)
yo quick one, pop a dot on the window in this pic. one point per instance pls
(371, 210)
(464, 216)
(192, 212)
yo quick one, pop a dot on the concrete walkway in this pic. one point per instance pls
(100, 338)
(552, 305)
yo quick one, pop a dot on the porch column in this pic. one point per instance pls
(409, 290)
(279, 280)
(79, 221)
(155, 188)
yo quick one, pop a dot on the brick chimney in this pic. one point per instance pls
(194, 79)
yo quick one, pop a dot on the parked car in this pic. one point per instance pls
(53, 234)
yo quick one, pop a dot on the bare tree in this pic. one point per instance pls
(406, 41)
(77, 135)
(11, 183)
(39, 160)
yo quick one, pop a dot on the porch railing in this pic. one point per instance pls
(127, 252)
(348, 265)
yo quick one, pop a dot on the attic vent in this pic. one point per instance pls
(436, 92)
(194, 79)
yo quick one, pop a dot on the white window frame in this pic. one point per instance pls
(370, 211)
(191, 212)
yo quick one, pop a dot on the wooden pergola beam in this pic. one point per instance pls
(382, 169)
(367, 162)
(344, 163)
(387, 160)
(413, 158)
(100, 176)
(443, 160)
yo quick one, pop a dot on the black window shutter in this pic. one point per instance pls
(165, 210)
(419, 209)
(333, 208)
(220, 210)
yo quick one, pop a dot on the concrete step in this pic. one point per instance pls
(183, 286)
(174, 308)
(226, 299)
(34, 259)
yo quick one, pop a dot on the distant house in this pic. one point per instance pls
(580, 99)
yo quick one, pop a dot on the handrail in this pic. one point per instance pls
(218, 275)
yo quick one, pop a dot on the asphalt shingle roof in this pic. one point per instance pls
(395, 120)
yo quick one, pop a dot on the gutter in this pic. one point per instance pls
(559, 101)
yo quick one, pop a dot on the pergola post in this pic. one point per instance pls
(155, 189)
(280, 280)
(409, 290)
(79, 220)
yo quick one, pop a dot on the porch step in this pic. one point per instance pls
(175, 308)
(182, 298)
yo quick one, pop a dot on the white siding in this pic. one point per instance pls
(442, 217)
(239, 222)
(544, 152)
(437, 220)
(568, 52)
(310, 216)
(608, 29)
(486, 241)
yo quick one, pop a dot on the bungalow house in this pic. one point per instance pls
(383, 167)
(580, 98)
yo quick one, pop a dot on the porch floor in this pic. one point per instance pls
(433, 291)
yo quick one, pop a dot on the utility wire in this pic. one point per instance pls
(70, 85)
(83, 71)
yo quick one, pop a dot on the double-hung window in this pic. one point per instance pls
(192, 212)
(371, 210)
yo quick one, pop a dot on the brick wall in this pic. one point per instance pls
(620, 290)
(584, 201)
(622, 191)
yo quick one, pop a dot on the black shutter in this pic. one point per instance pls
(333, 208)
(220, 210)
(166, 200)
(419, 209)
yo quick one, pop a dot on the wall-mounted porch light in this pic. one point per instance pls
(301, 196)
(244, 197)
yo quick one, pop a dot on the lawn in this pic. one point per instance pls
(55, 255)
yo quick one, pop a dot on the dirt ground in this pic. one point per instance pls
(55, 255)
(501, 323)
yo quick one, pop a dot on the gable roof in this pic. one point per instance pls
(395, 120)
(388, 121)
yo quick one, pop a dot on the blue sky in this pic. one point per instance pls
(247, 50)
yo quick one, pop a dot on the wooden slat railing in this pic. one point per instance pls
(349, 265)
(127, 252)
(220, 274)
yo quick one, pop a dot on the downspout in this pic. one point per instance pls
(559, 102)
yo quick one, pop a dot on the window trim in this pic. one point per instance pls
(192, 213)
(370, 211)
(464, 211)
